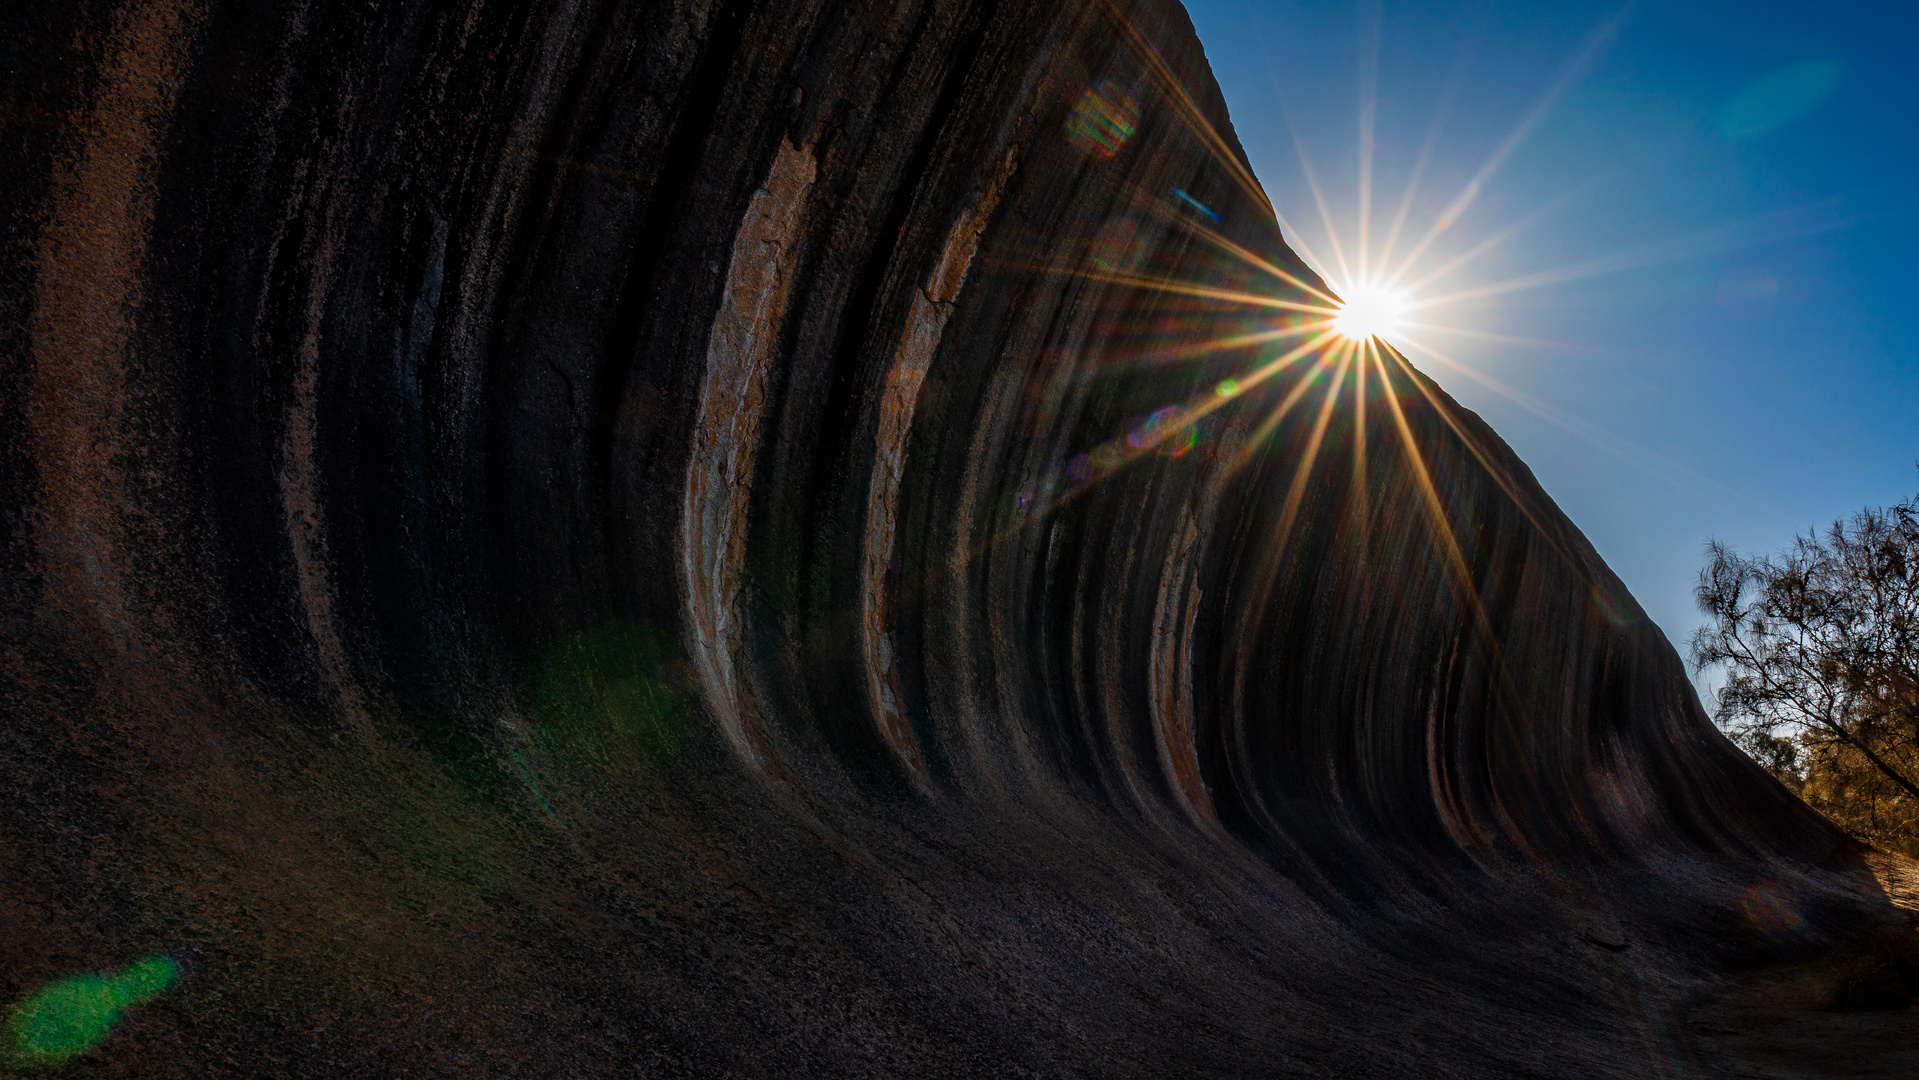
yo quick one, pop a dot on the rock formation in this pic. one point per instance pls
(788, 537)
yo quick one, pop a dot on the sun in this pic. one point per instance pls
(1369, 311)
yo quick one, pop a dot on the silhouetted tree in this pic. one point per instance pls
(1821, 647)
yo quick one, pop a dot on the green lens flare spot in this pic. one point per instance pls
(1227, 388)
(1778, 99)
(66, 1019)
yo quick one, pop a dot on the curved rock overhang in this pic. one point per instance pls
(793, 538)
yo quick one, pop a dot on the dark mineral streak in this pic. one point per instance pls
(580, 537)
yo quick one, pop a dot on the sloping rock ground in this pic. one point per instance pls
(568, 538)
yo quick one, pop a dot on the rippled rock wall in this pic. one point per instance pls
(779, 538)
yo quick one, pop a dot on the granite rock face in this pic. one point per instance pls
(782, 538)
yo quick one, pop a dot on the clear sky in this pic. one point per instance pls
(1717, 220)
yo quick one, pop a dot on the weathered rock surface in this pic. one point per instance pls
(584, 538)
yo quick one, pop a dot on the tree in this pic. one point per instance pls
(1821, 648)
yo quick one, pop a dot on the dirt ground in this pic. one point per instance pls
(1850, 1018)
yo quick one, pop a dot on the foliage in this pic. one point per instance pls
(1821, 648)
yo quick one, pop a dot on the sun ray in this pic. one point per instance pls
(1167, 354)
(1296, 491)
(1312, 181)
(1509, 339)
(1044, 510)
(1360, 503)
(1189, 415)
(1319, 197)
(1162, 208)
(1705, 242)
(1497, 470)
(1595, 44)
(1425, 157)
(1275, 552)
(1456, 262)
(1653, 463)
(1298, 241)
(1368, 115)
(1279, 412)
(1468, 591)
(1442, 525)
(1238, 341)
(1258, 263)
(1517, 397)
(1503, 478)
(1270, 369)
(1222, 153)
(1203, 292)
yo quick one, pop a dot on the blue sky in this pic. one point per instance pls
(1720, 200)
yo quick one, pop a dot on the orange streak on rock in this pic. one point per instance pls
(733, 398)
(932, 307)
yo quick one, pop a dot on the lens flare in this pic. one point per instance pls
(1331, 323)
(61, 1021)
(1370, 311)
